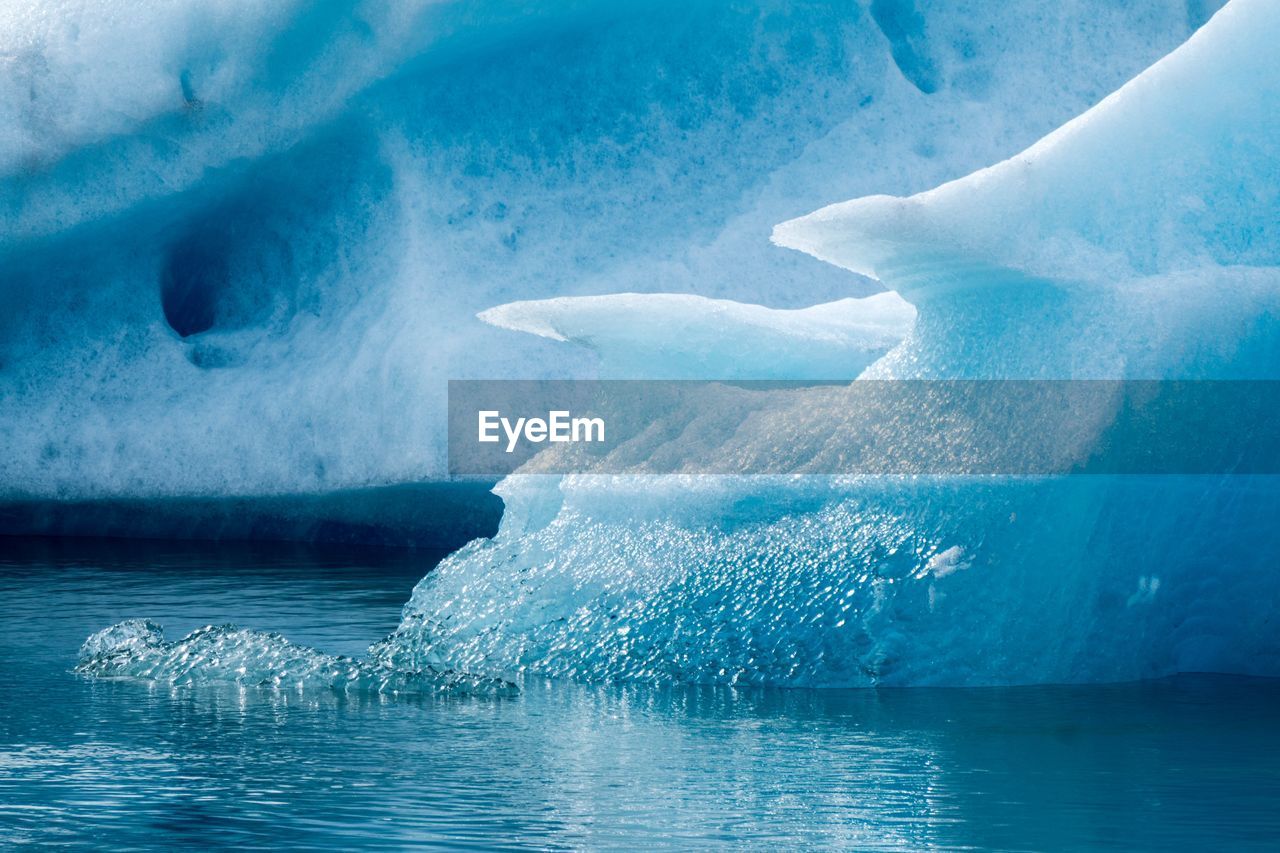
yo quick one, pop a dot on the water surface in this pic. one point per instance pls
(1187, 763)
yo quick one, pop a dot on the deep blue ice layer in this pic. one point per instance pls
(1184, 764)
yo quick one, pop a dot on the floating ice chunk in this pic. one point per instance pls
(121, 638)
(1177, 170)
(947, 562)
(227, 654)
(681, 336)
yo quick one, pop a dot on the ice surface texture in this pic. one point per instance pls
(1175, 171)
(819, 583)
(242, 246)
(1156, 215)
(227, 654)
(1157, 211)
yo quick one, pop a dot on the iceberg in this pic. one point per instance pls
(242, 249)
(813, 582)
(1136, 242)
(848, 581)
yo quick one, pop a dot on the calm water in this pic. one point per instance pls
(1190, 763)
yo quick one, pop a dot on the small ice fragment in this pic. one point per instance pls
(947, 562)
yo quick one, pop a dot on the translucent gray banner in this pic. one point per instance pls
(934, 427)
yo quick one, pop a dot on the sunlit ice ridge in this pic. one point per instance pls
(321, 277)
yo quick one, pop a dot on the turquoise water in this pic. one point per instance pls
(1188, 763)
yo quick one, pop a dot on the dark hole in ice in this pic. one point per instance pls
(246, 256)
(194, 277)
(904, 27)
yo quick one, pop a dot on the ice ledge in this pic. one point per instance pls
(1178, 169)
(682, 336)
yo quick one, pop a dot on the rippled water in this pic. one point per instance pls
(1188, 763)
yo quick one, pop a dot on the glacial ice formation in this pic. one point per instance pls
(822, 583)
(857, 581)
(851, 581)
(242, 246)
(678, 336)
